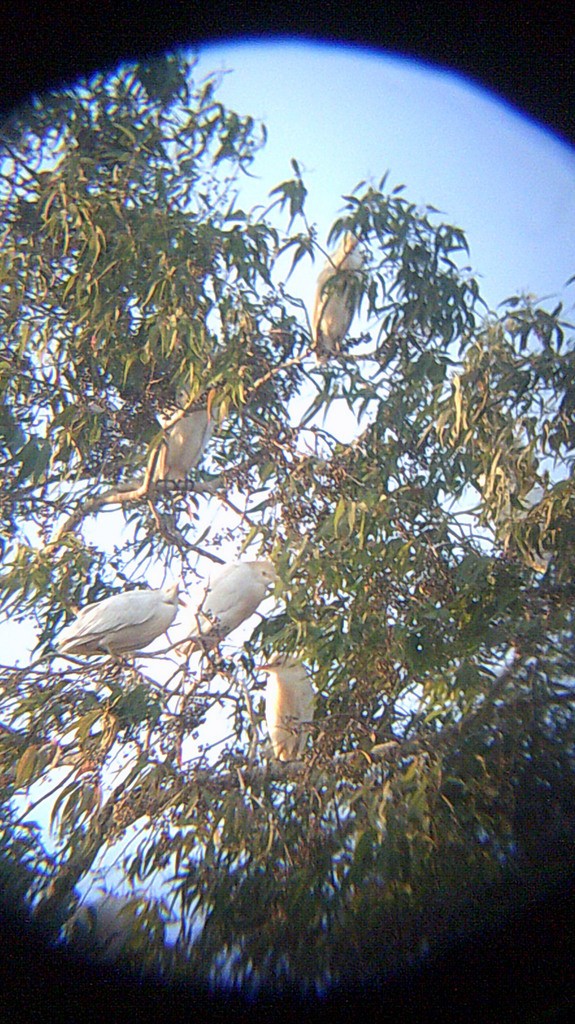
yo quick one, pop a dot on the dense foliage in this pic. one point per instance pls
(426, 564)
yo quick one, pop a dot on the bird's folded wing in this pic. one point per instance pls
(233, 603)
(297, 704)
(308, 706)
(96, 619)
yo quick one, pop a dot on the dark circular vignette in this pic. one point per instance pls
(524, 54)
(522, 970)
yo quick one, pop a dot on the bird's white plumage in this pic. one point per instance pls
(228, 600)
(524, 508)
(531, 509)
(185, 443)
(289, 705)
(533, 497)
(102, 930)
(336, 297)
(121, 623)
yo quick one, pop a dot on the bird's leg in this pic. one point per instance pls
(105, 647)
(116, 668)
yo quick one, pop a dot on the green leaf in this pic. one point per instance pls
(338, 515)
(26, 767)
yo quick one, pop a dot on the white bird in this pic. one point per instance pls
(185, 443)
(527, 508)
(289, 706)
(121, 623)
(336, 297)
(101, 930)
(538, 557)
(228, 600)
(533, 497)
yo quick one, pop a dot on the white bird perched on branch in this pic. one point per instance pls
(121, 623)
(336, 297)
(185, 443)
(102, 930)
(289, 706)
(229, 599)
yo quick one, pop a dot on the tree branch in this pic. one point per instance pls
(115, 496)
(62, 886)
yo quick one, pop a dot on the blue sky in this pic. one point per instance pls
(348, 114)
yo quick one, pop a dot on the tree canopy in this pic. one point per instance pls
(426, 563)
